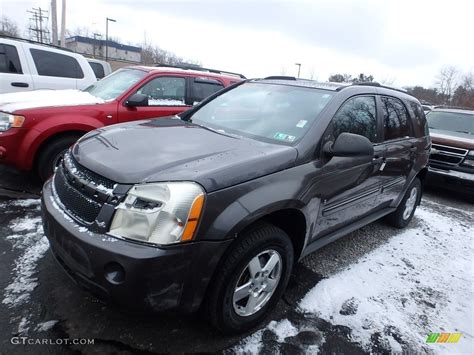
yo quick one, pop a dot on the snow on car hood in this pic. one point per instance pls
(46, 98)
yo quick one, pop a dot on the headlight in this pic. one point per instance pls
(159, 213)
(8, 121)
(471, 153)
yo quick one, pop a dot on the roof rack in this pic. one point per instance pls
(35, 42)
(376, 84)
(195, 67)
(280, 77)
(454, 107)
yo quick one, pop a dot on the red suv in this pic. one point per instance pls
(37, 127)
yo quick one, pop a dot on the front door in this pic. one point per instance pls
(349, 186)
(166, 97)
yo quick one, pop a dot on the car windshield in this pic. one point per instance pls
(451, 121)
(115, 84)
(270, 112)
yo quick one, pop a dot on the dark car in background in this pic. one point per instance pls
(452, 155)
(211, 210)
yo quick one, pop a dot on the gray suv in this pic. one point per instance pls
(211, 209)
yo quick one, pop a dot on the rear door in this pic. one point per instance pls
(350, 187)
(399, 144)
(202, 87)
(54, 70)
(166, 97)
(14, 73)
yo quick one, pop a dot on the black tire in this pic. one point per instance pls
(51, 153)
(398, 219)
(218, 306)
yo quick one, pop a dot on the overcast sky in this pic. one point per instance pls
(406, 42)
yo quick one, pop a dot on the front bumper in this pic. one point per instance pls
(10, 142)
(451, 179)
(129, 274)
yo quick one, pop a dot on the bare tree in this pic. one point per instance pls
(152, 54)
(447, 82)
(8, 27)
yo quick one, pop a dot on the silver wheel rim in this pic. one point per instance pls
(410, 203)
(257, 283)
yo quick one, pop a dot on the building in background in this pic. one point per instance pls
(118, 54)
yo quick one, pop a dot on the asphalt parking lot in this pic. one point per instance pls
(394, 273)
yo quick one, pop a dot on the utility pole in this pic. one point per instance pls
(54, 22)
(37, 29)
(299, 68)
(63, 24)
(107, 36)
(95, 39)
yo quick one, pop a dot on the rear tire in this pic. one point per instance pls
(51, 155)
(239, 298)
(406, 209)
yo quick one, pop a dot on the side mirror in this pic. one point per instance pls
(349, 145)
(137, 100)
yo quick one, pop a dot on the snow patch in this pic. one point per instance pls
(421, 281)
(45, 326)
(23, 327)
(25, 203)
(15, 101)
(28, 238)
(283, 329)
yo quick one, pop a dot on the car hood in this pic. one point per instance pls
(451, 138)
(173, 150)
(16, 101)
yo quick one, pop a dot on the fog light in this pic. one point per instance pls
(114, 273)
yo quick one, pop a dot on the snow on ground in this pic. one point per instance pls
(28, 239)
(45, 326)
(420, 281)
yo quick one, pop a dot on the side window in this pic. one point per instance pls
(9, 60)
(202, 88)
(419, 118)
(396, 124)
(54, 64)
(358, 116)
(98, 69)
(165, 91)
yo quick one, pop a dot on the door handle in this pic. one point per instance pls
(20, 85)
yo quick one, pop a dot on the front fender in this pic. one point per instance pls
(231, 210)
(48, 128)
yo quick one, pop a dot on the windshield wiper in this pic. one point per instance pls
(467, 132)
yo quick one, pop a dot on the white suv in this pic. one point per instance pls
(25, 65)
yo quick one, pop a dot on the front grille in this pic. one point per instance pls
(447, 155)
(80, 191)
(75, 202)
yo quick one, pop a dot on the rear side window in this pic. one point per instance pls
(54, 64)
(98, 70)
(358, 116)
(396, 124)
(202, 88)
(419, 118)
(9, 60)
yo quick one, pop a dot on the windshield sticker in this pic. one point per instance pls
(301, 123)
(284, 137)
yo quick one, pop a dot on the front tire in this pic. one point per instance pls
(51, 155)
(406, 209)
(251, 279)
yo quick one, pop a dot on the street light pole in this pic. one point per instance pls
(107, 36)
(299, 68)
